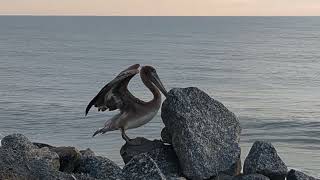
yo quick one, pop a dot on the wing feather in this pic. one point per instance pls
(114, 94)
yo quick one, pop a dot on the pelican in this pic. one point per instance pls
(133, 111)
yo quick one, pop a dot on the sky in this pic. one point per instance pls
(162, 7)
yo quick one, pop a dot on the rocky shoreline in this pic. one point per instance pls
(200, 141)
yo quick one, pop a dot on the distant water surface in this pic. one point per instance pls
(264, 69)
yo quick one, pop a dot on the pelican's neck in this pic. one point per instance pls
(147, 82)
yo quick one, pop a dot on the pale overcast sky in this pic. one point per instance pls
(162, 7)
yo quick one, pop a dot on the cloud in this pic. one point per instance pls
(161, 7)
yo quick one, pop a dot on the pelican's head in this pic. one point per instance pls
(152, 75)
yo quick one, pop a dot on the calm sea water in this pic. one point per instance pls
(265, 70)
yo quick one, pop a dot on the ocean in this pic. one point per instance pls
(264, 69)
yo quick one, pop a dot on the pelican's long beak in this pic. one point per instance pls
(156, 80)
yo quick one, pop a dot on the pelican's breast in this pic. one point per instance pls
(137, 121)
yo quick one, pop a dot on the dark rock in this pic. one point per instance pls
(205, 134)
(297, 175)
(69, 158)
(223, 177)
(166, 136)
(142, 167)
(263, 159)
(83, 177)
(87, 152)
(141, 145)
(99, 167)
(241, 177)
(163, 155)
(253, 177)
(41, 145)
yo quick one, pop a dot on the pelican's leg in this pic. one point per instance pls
(128, 140)
(124, 136)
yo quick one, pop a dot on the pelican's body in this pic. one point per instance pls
(133, 111)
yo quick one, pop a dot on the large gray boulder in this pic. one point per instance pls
(263, 159)
(204, 133)
(297, 175)
(99, 167)
(163, 155)
(143, 167)
(20, 159)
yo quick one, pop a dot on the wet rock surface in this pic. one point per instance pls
(161, 154)
(263, 159)
(204, 133)
(297, 175)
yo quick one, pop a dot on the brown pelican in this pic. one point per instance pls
(133, 111)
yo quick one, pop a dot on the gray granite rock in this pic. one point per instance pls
(142, 167)
(17, 142)
(297, 175)
(263, 159)
(99, 167)
(20, 159)
(163, 155)
(204, 133)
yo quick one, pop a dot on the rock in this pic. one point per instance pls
(87, 152)
(223, 177)
(241, 177)
(142, 145)
(45, 155)
(99, 167)
(69, 158)
(17, 142)
(20, 159)
(83, 177)
(163, 155)
(166, 136)
(297, 175)
(253, 177)
(41, 145)
(205, 134)
(142, 167)
(263, 159)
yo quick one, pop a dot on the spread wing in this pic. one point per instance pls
(115, 95)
